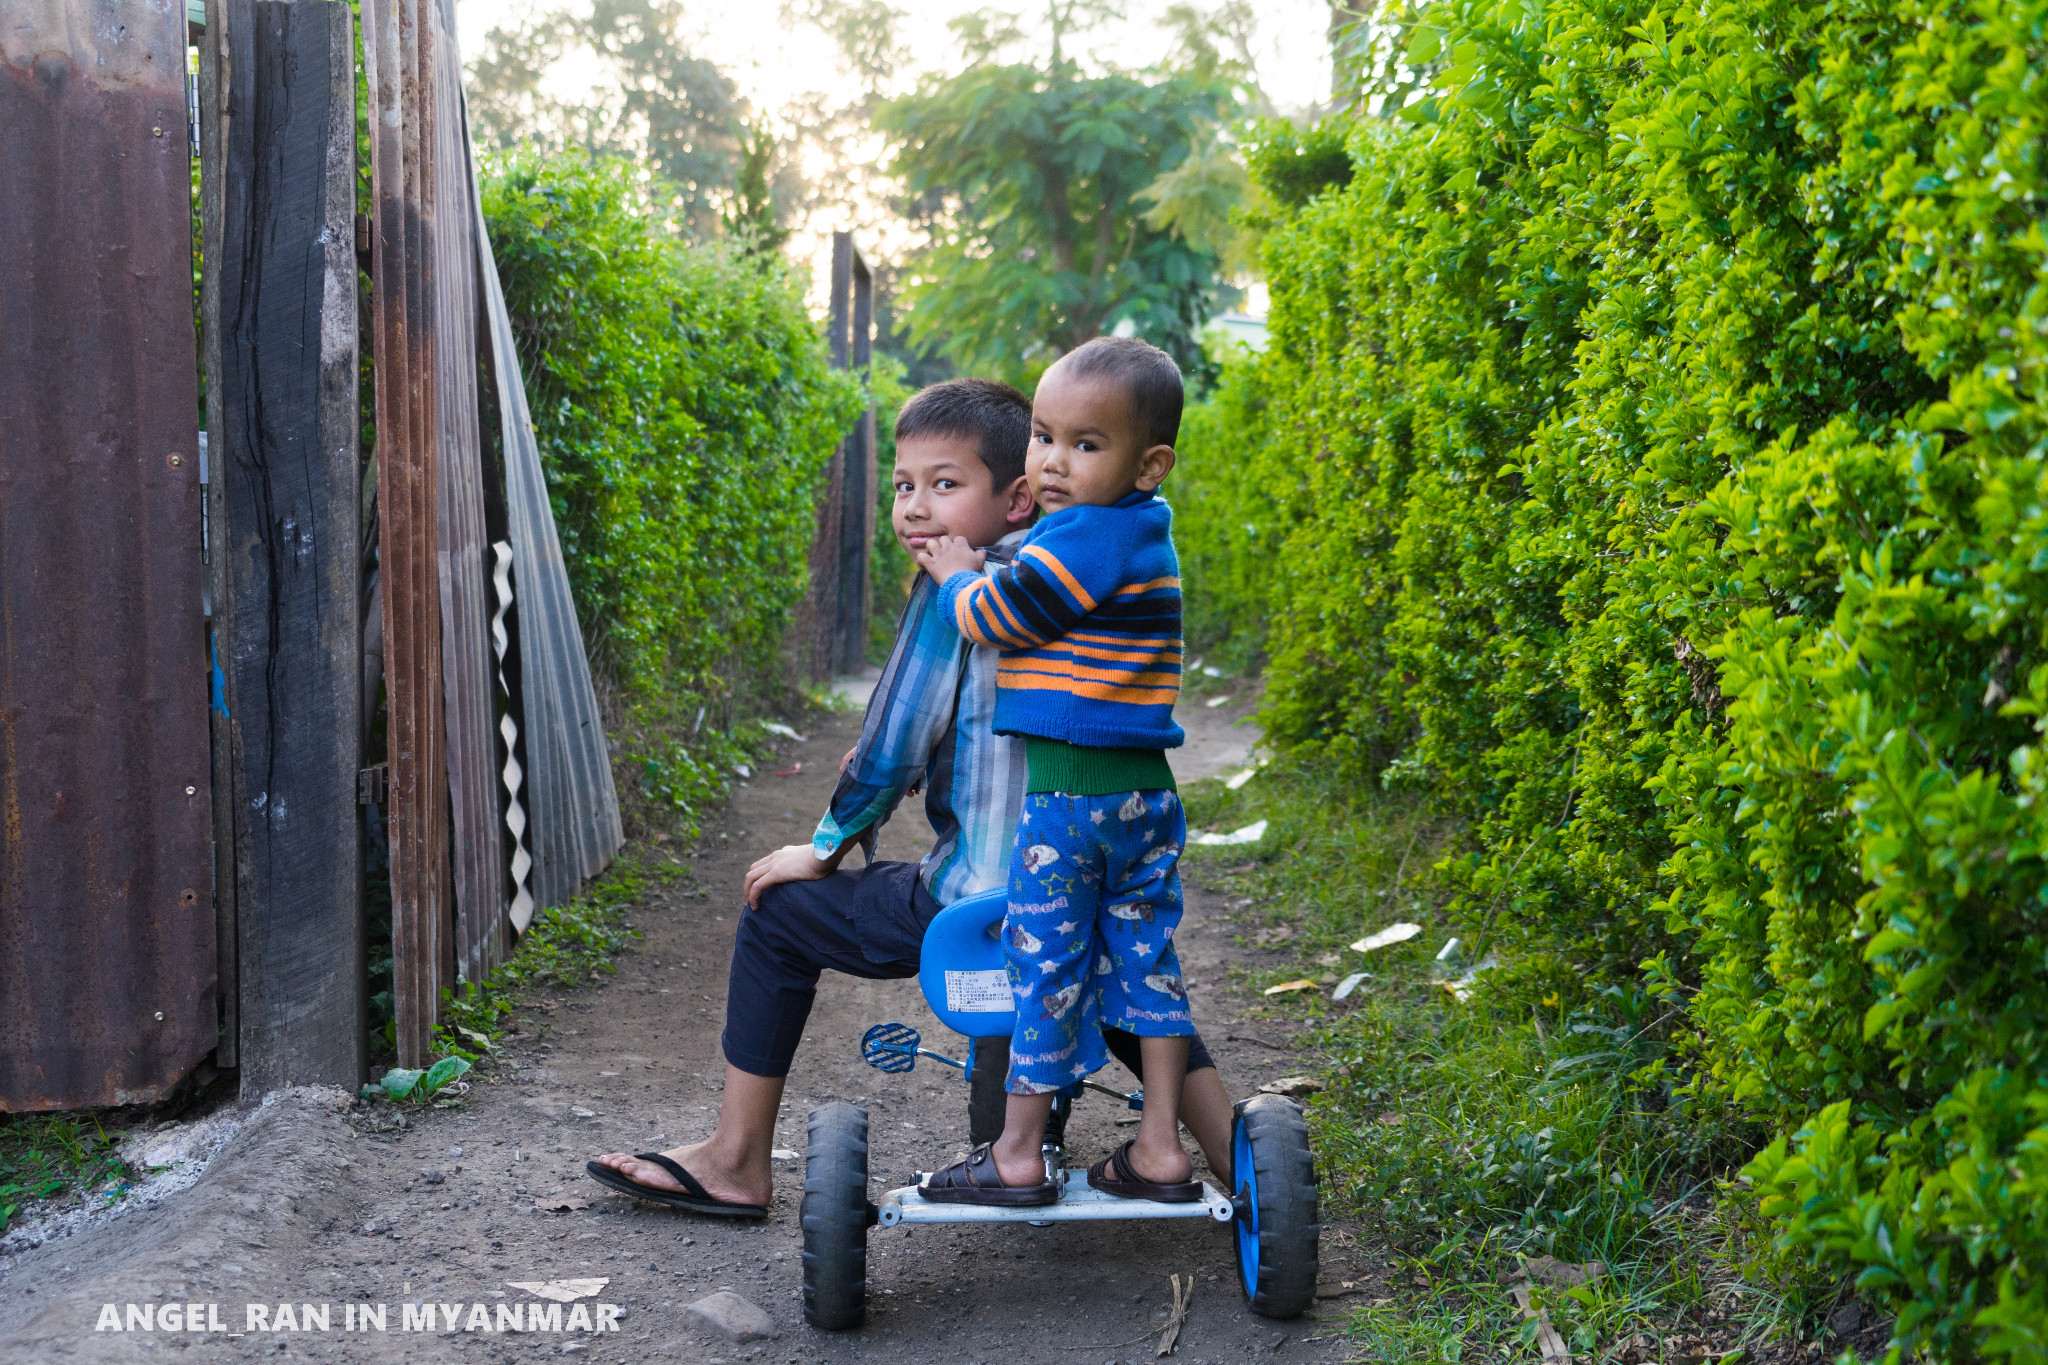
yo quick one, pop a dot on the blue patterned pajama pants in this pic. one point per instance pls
(1094, 902)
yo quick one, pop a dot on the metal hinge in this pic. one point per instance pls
(373, 785)
(363, 236)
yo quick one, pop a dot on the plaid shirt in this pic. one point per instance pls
(931, 722)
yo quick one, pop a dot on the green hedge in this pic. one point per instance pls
(1648, 467)
(685, 408)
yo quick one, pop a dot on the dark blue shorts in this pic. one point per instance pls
(866, 922)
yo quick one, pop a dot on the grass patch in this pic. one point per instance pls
(1469, 1131)
(565, 947)
(46, 1156)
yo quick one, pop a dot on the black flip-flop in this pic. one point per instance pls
(973, 1179)
(1115, 1175)
(693, 1196)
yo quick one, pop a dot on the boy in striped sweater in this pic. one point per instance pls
(1087, 619)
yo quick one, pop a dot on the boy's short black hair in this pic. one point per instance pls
(996, 417)
(1145, 372)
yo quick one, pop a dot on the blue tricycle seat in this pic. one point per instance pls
(961, 968)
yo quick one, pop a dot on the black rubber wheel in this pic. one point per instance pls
(986, 1101)
(835, 1217)
(1276, 1229)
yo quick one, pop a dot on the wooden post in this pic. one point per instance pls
(832, 625)
(284, 455)
(857, 521)
(213, 70)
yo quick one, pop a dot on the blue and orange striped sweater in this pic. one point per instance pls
(1087, 620)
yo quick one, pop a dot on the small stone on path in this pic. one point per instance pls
(738, 1319)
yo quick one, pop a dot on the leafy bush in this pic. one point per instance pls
(1654, 447)
(685, 409)
(1228, 518)
(403, 1083)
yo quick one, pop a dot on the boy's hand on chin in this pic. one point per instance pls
(944, 556)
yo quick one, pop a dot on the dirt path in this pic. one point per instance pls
(306, 1207)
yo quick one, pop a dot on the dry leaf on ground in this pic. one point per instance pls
(1550, 1270)
(1170, 1338)
(1547, 1339)
(561, 1291)
(561, 1204)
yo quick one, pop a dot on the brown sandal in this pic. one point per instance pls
(973, 1179)
(1115, 1175)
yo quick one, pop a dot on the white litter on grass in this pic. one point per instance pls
(1448, 951)
(1212, 672)
(743, 770)
(776, 727)
(561, 1291)
(1247, 775)
(1215, 702)
(1250, 834)
(1349, 984)
(1461, 987)
(1393, 933)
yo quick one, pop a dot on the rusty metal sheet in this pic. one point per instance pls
(571, 803)
(106, 906)
(400, 78)
(467, 673)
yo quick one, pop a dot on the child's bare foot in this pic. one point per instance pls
(1127, 1174)
(748, 1182)
(1019, 1165)
(1162, 1164)
(976, 1179)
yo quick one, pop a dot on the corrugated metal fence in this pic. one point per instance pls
(106, 881)
(155, 909)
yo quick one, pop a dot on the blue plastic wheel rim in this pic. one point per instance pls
(1247, 1177)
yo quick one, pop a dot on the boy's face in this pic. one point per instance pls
(943, 489)
(1087, 449)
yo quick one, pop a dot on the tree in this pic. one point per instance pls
(676, 111)
(1023, 178)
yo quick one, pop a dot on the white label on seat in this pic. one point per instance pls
(978, 992)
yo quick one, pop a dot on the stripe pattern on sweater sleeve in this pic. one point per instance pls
(1022, 605)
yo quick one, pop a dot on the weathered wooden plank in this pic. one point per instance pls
(830, 632)
(857, 520)
(479, 860)
(106, 920)
(572, 806)
(212, 138)
(286, 458)
(422, 941)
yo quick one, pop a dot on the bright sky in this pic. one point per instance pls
(772, 65)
